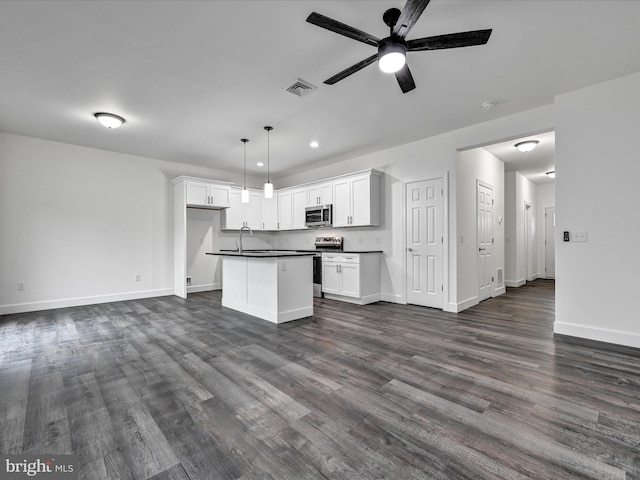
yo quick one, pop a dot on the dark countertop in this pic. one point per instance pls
(341, 251)
(262, 253)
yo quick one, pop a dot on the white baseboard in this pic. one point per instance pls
(499, 291)
(80, 301)
(463, 305)
(617, 337)
(515, 283)
(206, 287)
(393, 298)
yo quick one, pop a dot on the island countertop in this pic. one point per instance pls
(262, 253)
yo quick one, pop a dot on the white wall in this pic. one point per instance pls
(545, 198)
(78, 224)
(473, 165)
(598, 172)
(520, 191)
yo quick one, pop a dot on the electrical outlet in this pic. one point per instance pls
(188, 280)
(284, 266)
(21, 286)
(376, 240)
(137, 277)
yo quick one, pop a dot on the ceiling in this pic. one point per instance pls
(192, 78)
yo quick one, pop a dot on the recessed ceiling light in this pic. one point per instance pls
(489, 104)
(314, 144)
(109, 120)
(527, 145)
(260, 164)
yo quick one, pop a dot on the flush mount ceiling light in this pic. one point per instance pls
(551, 174)
(527, 145)
(314, 144)
(109, 120)
(392, 55)
(260, 164)
(244, 195)
(268, 187)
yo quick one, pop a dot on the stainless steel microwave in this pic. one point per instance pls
(319, 216)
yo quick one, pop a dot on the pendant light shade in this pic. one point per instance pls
(268, 187)
(244, 195)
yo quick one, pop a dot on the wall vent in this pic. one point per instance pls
(301, 88)
(500, 279)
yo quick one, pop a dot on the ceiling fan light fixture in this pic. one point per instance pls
(109, 120)
(392, 56)
(527, 145)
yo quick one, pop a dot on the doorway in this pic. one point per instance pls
(550, 242)
(485, 240)
(424, 244)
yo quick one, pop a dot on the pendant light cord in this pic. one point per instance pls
(244, 141)
(268, 129)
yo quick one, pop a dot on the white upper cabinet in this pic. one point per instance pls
(284, 210)
(298, 205)
(270, 213)
(320, 194)
(211, 195)
(356, 200)
(240, 214)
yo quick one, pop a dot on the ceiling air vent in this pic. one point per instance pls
(301, 88)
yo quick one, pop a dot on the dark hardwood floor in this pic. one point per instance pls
(167, 388)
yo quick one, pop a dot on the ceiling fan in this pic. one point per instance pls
(392, 50)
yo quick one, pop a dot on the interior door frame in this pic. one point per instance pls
(528, 243)
(445, 234)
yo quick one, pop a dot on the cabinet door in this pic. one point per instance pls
(233, 216)
(197, 193)
(314, 194)
(219, 195)
(270, 213)
(350, 273)
(253, 211)
(299, 203)
(284, 210)
(361, 200)
(341, 202)
(326, 194)
(330, 278)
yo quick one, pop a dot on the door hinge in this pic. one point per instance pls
(491, 279)
(442, 288)
(492, 240)
(442, 192)
(493, 201)
(441, 239)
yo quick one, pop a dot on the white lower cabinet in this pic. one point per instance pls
(351, 277)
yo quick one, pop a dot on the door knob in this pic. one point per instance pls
(410, 249)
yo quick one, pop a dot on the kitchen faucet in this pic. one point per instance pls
(240, 249)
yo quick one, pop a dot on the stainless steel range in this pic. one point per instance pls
(330, 243)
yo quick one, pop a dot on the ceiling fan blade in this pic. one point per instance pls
(409, 16)
(342, 29)
(405, 79)
(351, 70)
(451, 40)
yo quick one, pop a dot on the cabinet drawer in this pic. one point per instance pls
(341, 257)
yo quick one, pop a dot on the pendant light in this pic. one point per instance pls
(268, 187)
(244, 196)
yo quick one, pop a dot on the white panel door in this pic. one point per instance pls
(424, 242)
(485, 242)
(331, 278)
(350, 279)
(550, 242)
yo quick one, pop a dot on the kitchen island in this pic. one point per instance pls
(268, 284)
